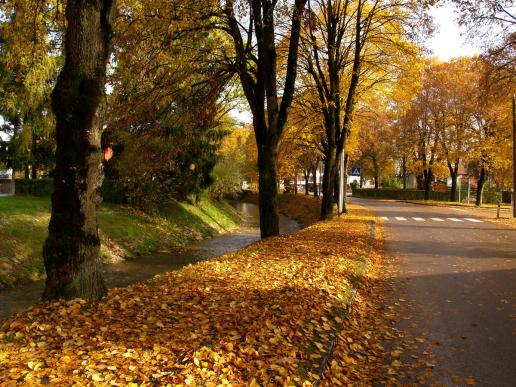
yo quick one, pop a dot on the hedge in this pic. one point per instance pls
(409, 194)
(412, 194)
(112, 192)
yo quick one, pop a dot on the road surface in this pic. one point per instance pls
(458, 274)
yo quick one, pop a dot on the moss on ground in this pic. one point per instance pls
(125, 232)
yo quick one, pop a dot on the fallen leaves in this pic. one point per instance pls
(260, 316)
(370, 349)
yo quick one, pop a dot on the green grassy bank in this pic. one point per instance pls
(126, 232)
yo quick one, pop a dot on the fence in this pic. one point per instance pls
(6, 187)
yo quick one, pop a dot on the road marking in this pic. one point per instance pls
(419, 219)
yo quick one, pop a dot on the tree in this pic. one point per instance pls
(348, 47)
(451, 89)
(375, 140)
(228, 173)
(71, 250)
(422, 129)
(28, 70)
(168, 100)
(256, 63)
(491, 138)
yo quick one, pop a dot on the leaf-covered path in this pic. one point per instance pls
(264, 314)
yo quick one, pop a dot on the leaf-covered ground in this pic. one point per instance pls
(264, 315)
(371, 349)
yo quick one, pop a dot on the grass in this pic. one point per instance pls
(125, 232)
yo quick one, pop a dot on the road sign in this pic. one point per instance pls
(356, 171)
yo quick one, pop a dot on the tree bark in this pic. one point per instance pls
(345, 190)
(454, 172)
(33, 164)
(315, 184)
(330, 167)
(453, 192)
(71, 251)
(427, 174)
(268, 190)
(376, 173)
(306, 174)
(404, 166)
(480, 186)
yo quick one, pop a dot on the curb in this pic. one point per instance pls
(333, 342)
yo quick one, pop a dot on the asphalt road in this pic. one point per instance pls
(457, 273)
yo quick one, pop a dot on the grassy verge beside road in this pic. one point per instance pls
(125, 232)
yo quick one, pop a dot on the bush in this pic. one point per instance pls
(392, 183)
(111, 190)
(227, 180)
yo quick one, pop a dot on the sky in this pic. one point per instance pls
(447, 41)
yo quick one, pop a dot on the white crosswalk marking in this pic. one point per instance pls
(420, 219)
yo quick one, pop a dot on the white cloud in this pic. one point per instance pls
(447, 41)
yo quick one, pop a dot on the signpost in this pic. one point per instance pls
(356, 171)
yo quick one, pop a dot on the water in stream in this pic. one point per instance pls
(125, 273)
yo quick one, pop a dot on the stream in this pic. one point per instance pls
(127, 272)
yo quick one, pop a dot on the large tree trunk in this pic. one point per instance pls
(33, 165)
(306, 174)
(315, 184)
(71, 251)
(404, 168)
(454, 172)
(376, 174)
(427, 183)
(330, 168)
(268, 190)
(480, 186)
(453, 192)
(345, 190)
